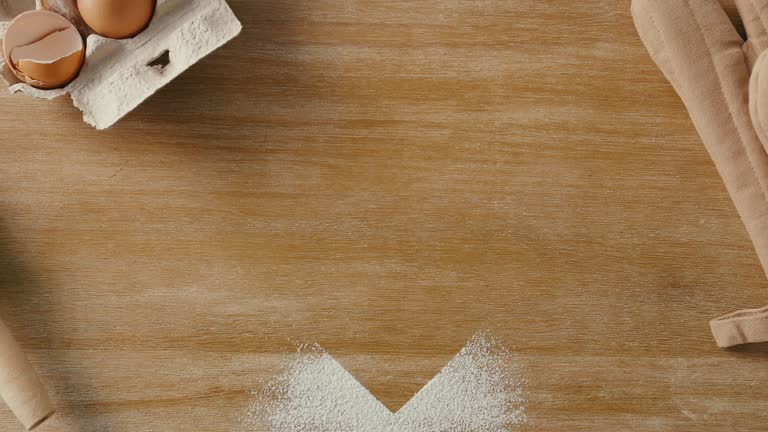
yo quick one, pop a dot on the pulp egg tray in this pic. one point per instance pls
(118, 75)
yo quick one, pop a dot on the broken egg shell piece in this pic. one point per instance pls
(47, 70)
(43, 49)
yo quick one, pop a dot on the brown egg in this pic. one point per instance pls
(117, 19)
(43, 49)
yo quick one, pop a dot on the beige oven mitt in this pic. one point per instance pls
(723, 81)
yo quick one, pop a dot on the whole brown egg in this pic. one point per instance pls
(117, 19)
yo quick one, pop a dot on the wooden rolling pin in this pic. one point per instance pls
(20, 386)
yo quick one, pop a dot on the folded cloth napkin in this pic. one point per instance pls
(723, 82)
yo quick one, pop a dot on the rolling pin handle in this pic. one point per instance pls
(20, 387)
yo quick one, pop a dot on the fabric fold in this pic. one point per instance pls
(742, 327)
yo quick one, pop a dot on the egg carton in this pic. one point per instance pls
(118, 75)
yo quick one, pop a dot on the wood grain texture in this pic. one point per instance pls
(385, 179)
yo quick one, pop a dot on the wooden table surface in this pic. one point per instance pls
(386, 179)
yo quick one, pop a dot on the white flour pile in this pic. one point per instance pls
(480, 390)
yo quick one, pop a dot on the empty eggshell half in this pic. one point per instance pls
(43, 49)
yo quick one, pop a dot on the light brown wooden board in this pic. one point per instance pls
(384, 178)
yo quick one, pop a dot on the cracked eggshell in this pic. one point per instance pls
(117, 19)
(43, 49)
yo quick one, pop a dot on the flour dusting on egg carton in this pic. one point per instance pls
(118, 75)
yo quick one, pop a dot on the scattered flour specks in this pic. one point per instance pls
(480, 390)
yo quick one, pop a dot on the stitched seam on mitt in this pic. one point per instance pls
(664, 52)
(759, 16)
